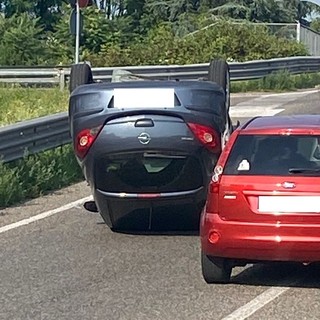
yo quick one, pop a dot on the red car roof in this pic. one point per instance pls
(295, 124)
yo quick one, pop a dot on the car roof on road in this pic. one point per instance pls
(288, 123)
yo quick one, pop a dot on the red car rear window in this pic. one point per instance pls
(274, 155)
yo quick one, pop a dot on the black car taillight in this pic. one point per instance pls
(85, 139)
(207, 136)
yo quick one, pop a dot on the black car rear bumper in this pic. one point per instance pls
(146, 211)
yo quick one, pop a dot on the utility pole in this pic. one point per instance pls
(77, 31)
(76, 22)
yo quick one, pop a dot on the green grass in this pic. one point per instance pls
(38, 174)
(278, 82)
(18, 104)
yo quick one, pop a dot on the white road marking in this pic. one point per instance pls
(44, 215)
(272, 94)
(266, 105)
(257, 303)
(294, 93)
(253, 111)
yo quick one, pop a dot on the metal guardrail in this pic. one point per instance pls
(238, 70)
(45, 76)
(33, 136)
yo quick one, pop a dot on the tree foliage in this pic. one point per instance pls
(47, 12)
(22, 41)
(264, 10)
(315, 25)
(222, 40)
(118, 32)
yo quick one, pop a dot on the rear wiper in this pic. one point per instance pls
(304, 170)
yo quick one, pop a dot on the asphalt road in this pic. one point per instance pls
(69, 265)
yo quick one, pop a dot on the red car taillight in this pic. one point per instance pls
(213, 193)
(208, 136)
(212, 205)
(215, 179)
(84, 141)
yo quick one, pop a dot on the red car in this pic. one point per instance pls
(264, 197)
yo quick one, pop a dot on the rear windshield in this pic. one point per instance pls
(274, 155)
(143, 172)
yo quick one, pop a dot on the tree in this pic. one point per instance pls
(98, 31)
(170, 10)
(120, 29)
(47, 12)
(22, 41)
(315, 24)
(263, 10)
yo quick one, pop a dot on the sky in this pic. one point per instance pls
(313, 1)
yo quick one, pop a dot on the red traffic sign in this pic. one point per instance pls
(83, 3)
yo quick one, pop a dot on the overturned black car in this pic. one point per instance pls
(147, 148)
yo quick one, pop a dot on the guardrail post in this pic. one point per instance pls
(62, 79)
(298, 31)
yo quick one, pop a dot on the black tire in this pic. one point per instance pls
(215, 270)
(219, 72)
(80, 74)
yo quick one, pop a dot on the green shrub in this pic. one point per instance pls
(279, 81)
(37, 174)
(22, 40)
(234, 42)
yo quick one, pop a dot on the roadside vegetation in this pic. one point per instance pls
(135, 32)
(18, 104)
(277, 82)
(38, 174)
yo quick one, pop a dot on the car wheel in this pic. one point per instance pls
(219, 73)
(215, 270)
(80, 74)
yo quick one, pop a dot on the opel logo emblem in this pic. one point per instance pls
(144, 138)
